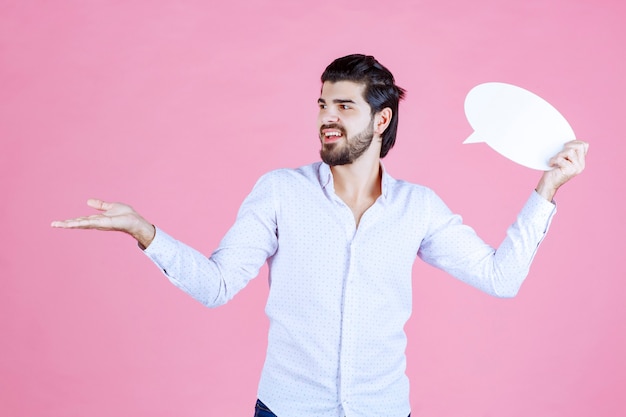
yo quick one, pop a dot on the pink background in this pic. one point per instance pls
(177, 107)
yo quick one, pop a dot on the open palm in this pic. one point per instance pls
(112, 217)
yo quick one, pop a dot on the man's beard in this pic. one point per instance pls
(350, 150)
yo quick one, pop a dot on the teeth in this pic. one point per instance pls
(332, 134)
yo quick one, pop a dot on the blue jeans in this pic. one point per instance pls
(261, 410)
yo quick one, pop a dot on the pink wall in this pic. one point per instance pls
(177, 107)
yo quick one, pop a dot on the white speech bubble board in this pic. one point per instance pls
(516, 123)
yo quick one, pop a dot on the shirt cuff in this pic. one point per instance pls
(539, 209)
(161, 249)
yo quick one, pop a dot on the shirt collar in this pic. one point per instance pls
(326, 179)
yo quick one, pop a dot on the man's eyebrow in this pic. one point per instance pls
(336, 101)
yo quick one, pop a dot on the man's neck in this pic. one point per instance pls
(359, 181)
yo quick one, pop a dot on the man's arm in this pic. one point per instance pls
(211, 280)
(113, 217)
(455, 247)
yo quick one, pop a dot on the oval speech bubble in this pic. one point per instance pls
(516, 123)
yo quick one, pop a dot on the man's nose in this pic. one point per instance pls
(328, 116)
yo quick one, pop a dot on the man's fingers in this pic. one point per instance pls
(579, 146)
(85, 222)
(565, 165)
(66, 224)
(99, 204)
(585, 147)
(558, 161)
(79, 222)
(112, 216)
(573, 152)
(570, 162)
(577, 155)
(572, 155)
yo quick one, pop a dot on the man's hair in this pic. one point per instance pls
(380, 88)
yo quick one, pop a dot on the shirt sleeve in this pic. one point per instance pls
(456, 248)
(242, 252)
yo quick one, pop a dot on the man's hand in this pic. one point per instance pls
(115, 216)
(566, 165)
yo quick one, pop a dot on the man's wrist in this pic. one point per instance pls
(545, 191)
(144, 234)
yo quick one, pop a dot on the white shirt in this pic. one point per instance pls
(340, 295)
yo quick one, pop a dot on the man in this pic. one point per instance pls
(340, 237)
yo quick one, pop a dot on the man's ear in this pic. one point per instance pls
(382, 120)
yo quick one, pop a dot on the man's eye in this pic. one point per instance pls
(322, 106)
(344, 107)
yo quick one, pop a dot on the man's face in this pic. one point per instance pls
(346, 126)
